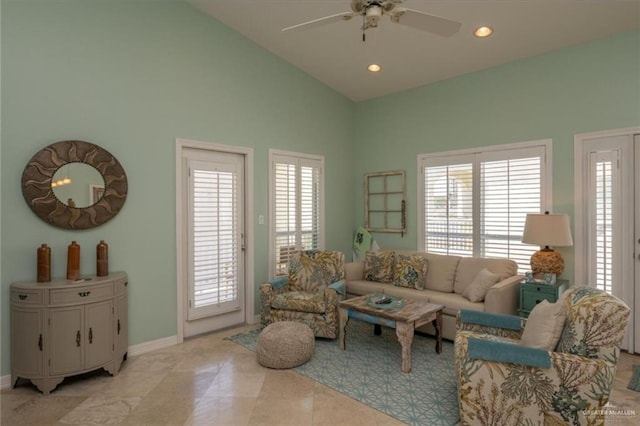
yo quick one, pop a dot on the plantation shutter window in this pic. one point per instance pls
(603, 190)
(509, 189)
(215, 239)
(448, 209)
(296, 212)
(475, 204)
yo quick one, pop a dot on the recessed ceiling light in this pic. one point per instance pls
(483, 32)
(374, 67)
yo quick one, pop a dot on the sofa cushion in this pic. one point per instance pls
(544, 326)
(362, 287)
(354, 271)
(441, 272)
(410, 271)
(453, 302)
(378, 266)
(405, 292)
(469, 267)
(477, 289)
(299, 301)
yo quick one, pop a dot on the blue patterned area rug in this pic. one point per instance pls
(369, 370)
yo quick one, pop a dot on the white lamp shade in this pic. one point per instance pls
(547, 230)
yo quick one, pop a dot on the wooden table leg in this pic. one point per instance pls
(404, 331)
(437, 324)
(342, 327)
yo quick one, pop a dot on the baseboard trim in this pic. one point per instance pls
(134, 350)
(5, 382)
(152, 345)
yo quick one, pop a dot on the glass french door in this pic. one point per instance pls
(215, 240)
(608, 243)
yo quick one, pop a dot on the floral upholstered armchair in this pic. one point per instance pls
(309, 294)
(503, 382)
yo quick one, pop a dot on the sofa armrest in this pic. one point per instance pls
(354, 271)
(490, 319)
(339, 287)
(504, 296)
(491, 350)
(489, 323)
(278, 282)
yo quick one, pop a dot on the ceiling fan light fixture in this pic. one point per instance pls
(483, 32)
(374, 68)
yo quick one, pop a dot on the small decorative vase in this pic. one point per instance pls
(44, 264)
(102, 259)
(73, 261)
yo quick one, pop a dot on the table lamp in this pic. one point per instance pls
(547, 230)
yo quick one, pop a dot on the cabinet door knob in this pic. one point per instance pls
(40, 342)
(90, 335)
(78, 338)
(84, 293)
(22, 296)
(118, 325)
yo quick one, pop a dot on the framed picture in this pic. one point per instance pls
(549, 278)
(95, 193)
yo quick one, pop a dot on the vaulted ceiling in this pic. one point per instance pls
(336, 55)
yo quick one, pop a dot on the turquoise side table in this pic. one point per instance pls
(532, 293)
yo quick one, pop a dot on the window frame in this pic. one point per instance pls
(299, 159)
(476, 156)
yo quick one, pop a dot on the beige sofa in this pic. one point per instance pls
(446, 279)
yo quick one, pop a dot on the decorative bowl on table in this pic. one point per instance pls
(384, 301)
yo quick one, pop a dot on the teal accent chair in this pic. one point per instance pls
(501, 382)
(310, 293)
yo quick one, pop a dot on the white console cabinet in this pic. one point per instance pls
(62, 328)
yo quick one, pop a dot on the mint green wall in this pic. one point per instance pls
(590, 87)
(132, 77)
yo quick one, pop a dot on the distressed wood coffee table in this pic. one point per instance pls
(405, 320)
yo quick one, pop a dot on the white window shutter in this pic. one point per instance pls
(449, 209)
(296, 199)
(214, 210)
(509, 189)
(475, 204)
(602, 225)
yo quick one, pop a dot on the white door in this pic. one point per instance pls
(215, 263)
(606, 209)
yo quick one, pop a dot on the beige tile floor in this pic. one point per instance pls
(211, 381)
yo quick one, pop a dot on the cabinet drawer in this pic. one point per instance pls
(541, 288)
(27, 297)
(121, 285)
(85, 294)
(532, 298)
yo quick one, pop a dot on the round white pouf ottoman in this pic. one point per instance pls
(285, 344)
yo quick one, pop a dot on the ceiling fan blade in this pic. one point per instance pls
(426, 22)
(344, 16)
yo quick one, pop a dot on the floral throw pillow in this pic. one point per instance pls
(411, 271)
(378, 266)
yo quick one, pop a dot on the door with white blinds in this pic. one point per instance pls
(296, 207)
(607, 247)
(475, 204)
(215, 223)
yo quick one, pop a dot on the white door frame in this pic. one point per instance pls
(181, 238)
(580, 249)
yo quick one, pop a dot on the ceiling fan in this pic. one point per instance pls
(372, 10)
